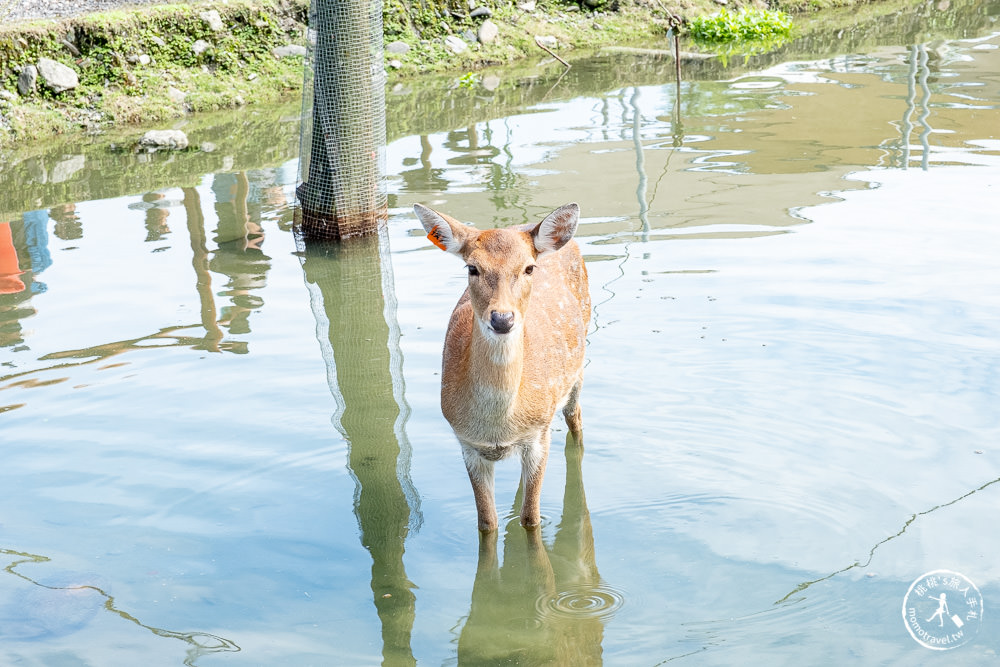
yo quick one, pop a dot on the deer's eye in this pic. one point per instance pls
(529, 269)
(473, 271)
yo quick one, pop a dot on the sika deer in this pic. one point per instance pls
(514, 349)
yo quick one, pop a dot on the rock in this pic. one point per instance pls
(26, 80)
(208, 147)
(491, 82)
(395, 64)
(169, 139)
(200, 46)
(455, 44)
(487, 32)
(291, 50)
(469, 36)
(526, 6)
(214, 21)
(481, 13)
(7, 95)
(175, 95)
(548, 41)
(158, 41)
(56, 76)
(399, 48)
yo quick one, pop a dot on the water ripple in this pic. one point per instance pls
(584, 601)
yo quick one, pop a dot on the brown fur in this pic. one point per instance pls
(500, 392)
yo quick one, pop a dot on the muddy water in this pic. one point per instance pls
(220, 450)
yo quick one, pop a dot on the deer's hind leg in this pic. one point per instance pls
(572, 411)
(534, 456)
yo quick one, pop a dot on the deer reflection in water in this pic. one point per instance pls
(546, 604)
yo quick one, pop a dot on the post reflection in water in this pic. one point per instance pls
(199, 259)
(237, 257)
(351, 292)
(545, 604)
(917, 75)
(239, 236)
(157, 212)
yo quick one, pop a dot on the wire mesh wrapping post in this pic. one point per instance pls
(341, 192)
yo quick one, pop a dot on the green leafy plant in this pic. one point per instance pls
(468, 80)
(747, 25)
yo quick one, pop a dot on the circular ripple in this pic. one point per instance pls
(583, 602)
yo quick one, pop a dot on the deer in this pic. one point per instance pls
(514, 347)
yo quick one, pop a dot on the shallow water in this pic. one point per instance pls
(218, 450)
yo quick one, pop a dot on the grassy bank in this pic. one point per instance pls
(154, 64)
(140, 65)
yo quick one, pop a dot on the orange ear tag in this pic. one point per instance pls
(436, 239)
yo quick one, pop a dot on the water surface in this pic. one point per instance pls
(221, 450)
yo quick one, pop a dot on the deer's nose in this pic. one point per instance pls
(501, 322)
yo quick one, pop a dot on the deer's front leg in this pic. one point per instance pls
(534, 456)
(481, 475)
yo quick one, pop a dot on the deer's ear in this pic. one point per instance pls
(556, 229)
(443, 230)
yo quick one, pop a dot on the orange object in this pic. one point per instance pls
(9, 267)
(435, 238)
